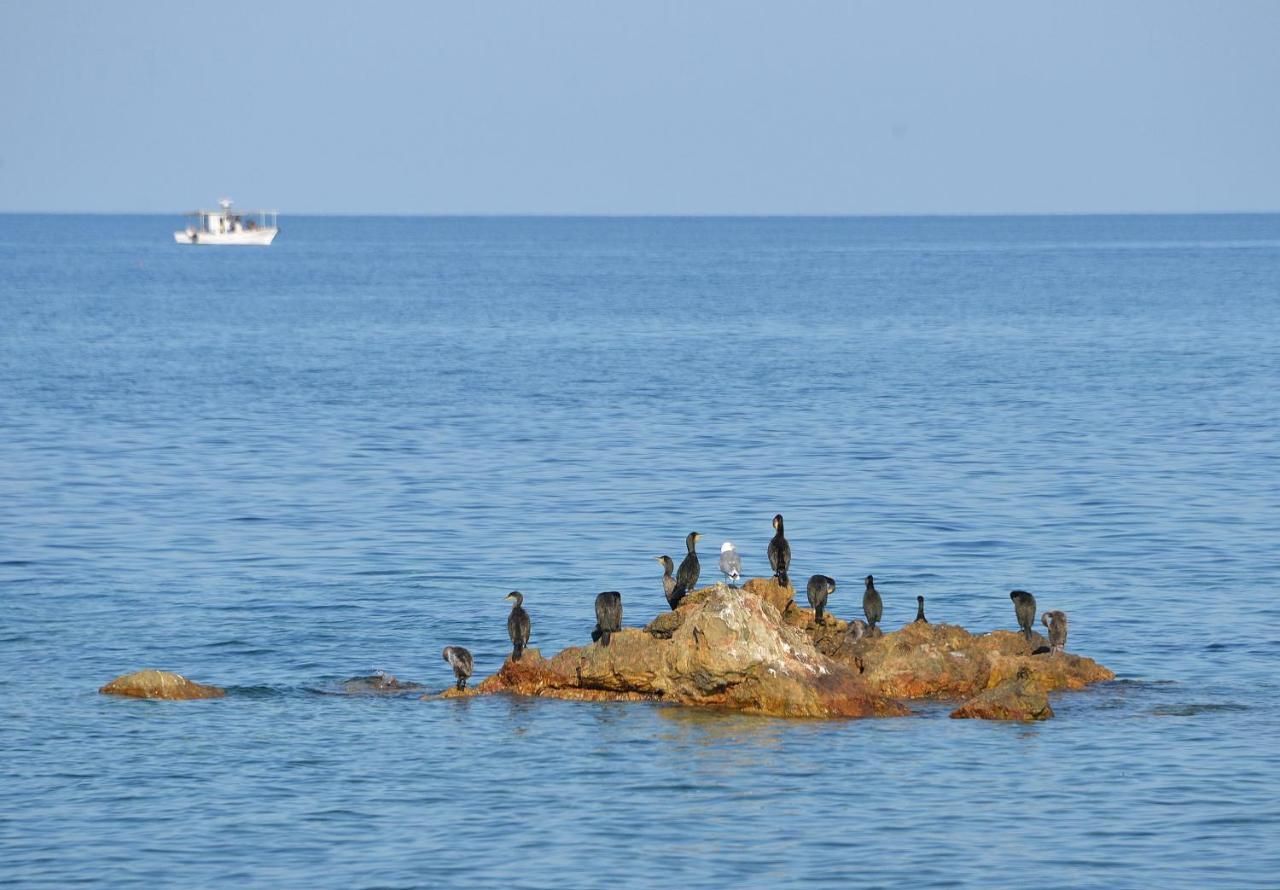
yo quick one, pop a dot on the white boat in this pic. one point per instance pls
(227, 226)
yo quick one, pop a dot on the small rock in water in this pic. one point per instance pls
(151, 683)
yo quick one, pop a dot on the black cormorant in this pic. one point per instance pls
(668, 580)
(920, 610)
(1024, 606)
(690, 568)
(1057, 623)
(779, 552)
(460, 660)
(872, 605)
(820, 587)
(517, 625)
(730, 563)
(608, 616)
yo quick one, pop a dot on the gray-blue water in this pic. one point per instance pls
(273, 469)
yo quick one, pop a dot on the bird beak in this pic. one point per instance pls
(697, 537)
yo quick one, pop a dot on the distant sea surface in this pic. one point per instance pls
(276, 468)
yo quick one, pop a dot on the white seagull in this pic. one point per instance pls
(730, 563)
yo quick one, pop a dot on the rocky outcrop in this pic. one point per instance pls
(723, 648)
(159, 684)
(1017, 698)
(782, 598)
(755, 650)
(943, 661)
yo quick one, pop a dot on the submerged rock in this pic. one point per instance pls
(377, 684)
(151, 683)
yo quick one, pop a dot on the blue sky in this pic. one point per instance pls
(641, 107)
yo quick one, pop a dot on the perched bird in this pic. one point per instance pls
(608, 616)
(857, 629)
(1057, 623)
(920, 610)
(690, 568)
(1024, 606)
(872, 604)
(779, 552)
(820, 587)
(460, 660)
(668, 580)
(517, 625)
(730, 563)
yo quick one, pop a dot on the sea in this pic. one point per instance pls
(274, 469)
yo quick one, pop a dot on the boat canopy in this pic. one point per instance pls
(249, 219)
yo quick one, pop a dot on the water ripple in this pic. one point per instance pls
(346, 465)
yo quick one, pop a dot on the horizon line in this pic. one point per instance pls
(692, 215)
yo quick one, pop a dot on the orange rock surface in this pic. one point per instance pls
(726, 649)
(754, 650)
(1017, 698)
(944, 661)
(159, 684)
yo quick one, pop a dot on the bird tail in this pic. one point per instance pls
(781, 575)
(818, 615)
(677, 594)
(462, 684)
(604, 636)
(517, 652)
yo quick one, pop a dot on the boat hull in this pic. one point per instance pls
(260, 237)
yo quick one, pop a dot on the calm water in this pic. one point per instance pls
(274, 469)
